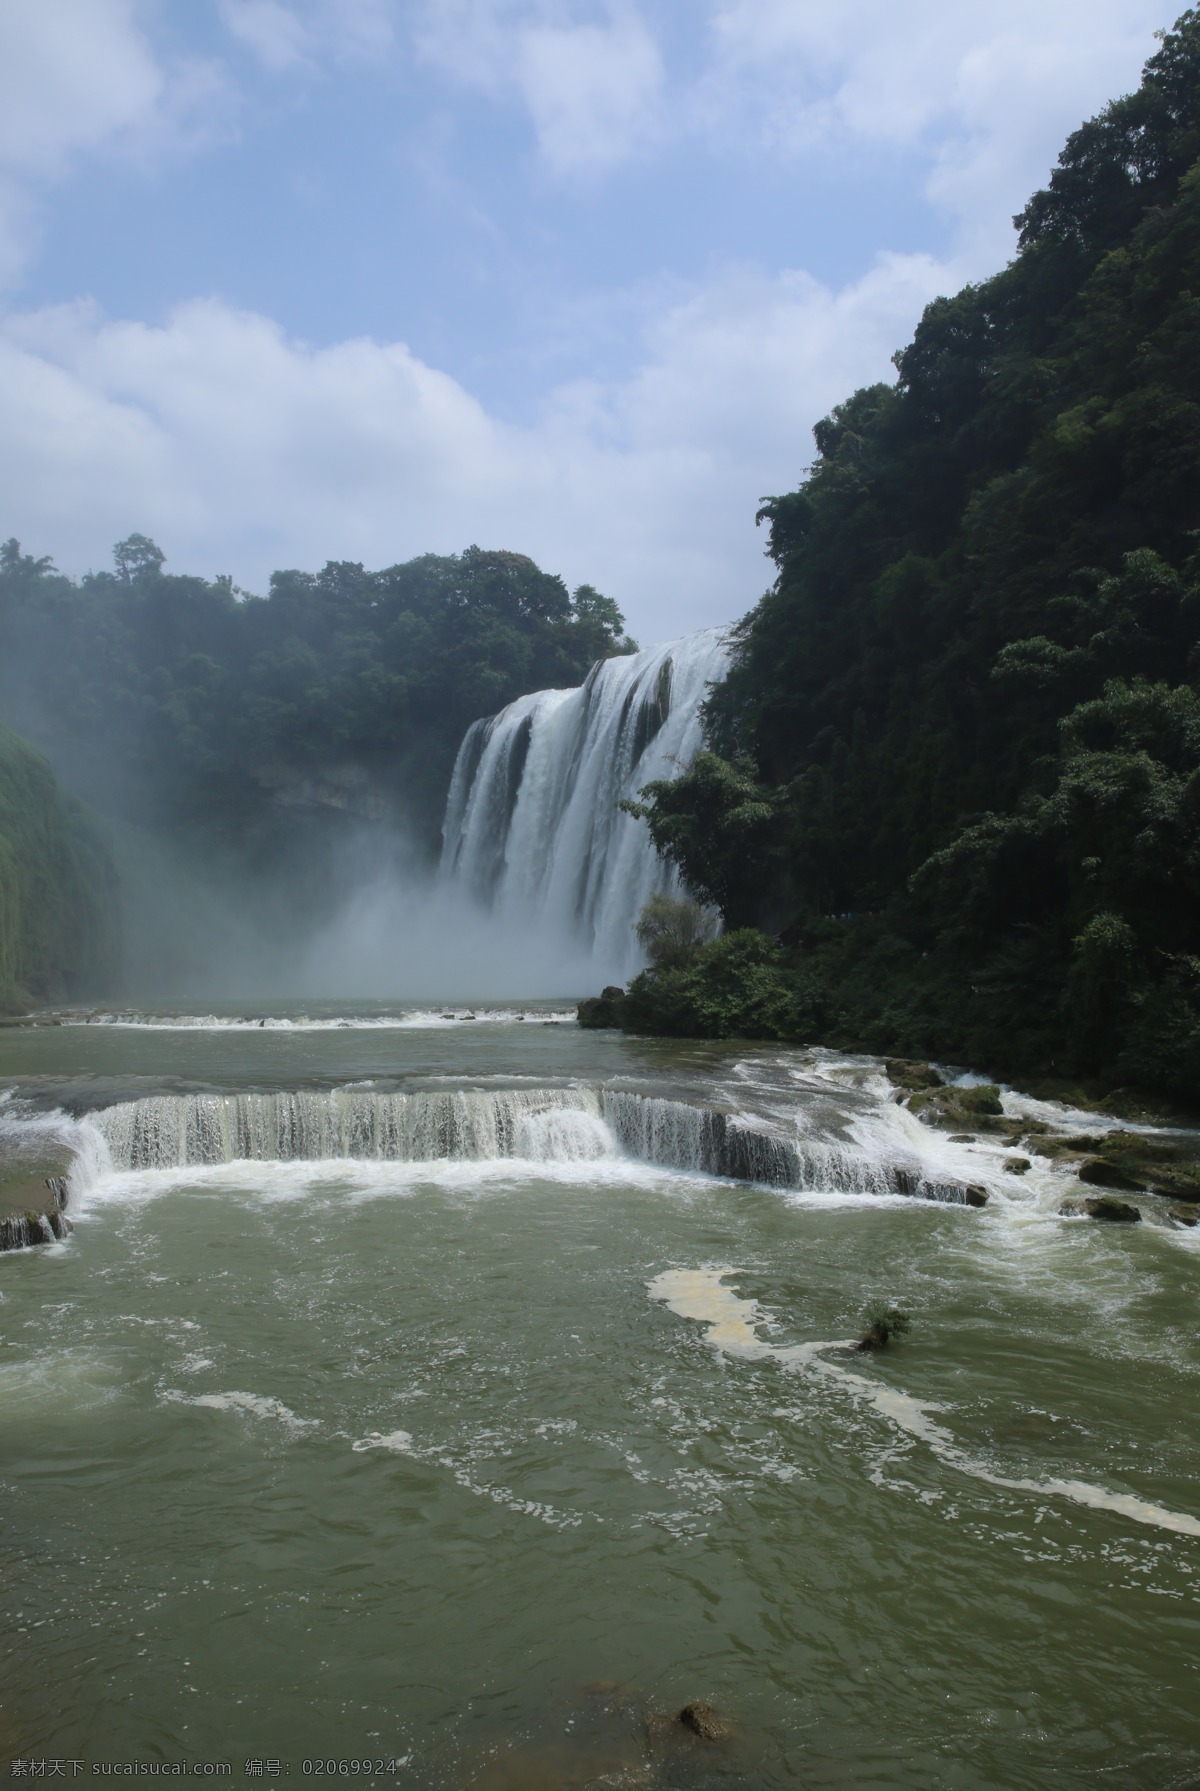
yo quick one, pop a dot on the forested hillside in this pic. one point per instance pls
(965, 721)
(58, 899)
(186, 705)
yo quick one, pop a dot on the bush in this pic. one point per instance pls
(885, 1325)
(738, 986)
(672, 929)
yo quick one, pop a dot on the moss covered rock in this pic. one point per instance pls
(907, 1073)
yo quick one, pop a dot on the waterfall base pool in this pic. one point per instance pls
(472, 1471)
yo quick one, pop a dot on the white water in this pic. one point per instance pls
(731, 1323)
(561, 1127)
(533, 829)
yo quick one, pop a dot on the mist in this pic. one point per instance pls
(368, 918)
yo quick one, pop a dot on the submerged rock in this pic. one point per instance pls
(702, 1720)
(1018, 1166)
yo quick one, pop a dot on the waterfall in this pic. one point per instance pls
(547, 1125)
(533, 829)
(173, 1131)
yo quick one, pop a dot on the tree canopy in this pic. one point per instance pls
(965, 713)
(182, 701)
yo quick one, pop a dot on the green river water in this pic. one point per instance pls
(470, 1471)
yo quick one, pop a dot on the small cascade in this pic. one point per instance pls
(678, 1135)
(174, 1131)
(564, 1125)
(22, 1231)
(533, 827)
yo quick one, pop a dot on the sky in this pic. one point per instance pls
(284, 281)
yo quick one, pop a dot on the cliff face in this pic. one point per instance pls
(59, 910)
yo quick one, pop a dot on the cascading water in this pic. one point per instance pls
(574, 1124)
(533, 828)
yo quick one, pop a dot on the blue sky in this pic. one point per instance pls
(288, 280)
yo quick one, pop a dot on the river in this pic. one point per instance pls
(410, 1394)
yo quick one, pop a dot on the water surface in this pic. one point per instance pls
(424, 1461)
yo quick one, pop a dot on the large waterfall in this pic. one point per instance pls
(533, 829)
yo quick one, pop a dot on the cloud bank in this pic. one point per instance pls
(241, 447)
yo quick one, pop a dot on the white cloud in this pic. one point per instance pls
(272, 32)
(591, 91)
(240, 450)
(293, 39)
(987, 93)
(592, 88)
(72, 74)
(77, 78)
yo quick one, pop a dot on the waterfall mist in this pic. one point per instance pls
(539, 884)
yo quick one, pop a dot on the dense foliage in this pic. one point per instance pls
(58, 903)
(964, 721)
(184, 702)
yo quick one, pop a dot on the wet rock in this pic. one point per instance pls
(957, 1108)
(906, 1073)
(1018, 1166)
(1071, 1209)
(1115, 1212)
(57, 1184)
(974, 1195)
(1100, 1172)
(702, 1720)
(962, 1137)
(1068, 1147)
(1184, 1215)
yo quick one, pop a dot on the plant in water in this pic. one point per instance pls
(885, 1324)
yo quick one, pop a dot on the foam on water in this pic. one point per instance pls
(420, 1019)
(731, 1321)
(253, 1405)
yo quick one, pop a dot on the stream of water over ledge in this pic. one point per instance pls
(462, 1396)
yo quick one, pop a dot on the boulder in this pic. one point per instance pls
(703, 1721)
(1184, 1215)
(958, 1109)
(974, 1195)
(1101, 1173)
(1116, 1212)
(1017, 1166)
(906, 1073)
